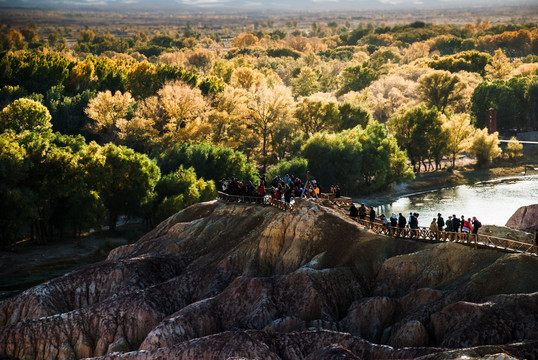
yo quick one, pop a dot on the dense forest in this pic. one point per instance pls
(100, 123)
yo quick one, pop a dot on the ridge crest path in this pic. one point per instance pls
(420, 234)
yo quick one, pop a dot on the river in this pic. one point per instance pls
(492, 202)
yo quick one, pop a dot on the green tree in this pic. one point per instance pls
(440, 89)
(315, 115)
(13, 40)
(359, 160)
(142, 80)
(179, 189)
(355, 78)
(296, 166)
(59, 180)
(353, 115)
(306, 83)
(14, 194)
(124, 179)
(10, 93)
(384, 163)
(211, 86)
(472, 61)
(383, 56)
(30, 35)
(25, 114)
(35, 72)
(532, 99)
(419, 131)
(110, 74)
(446, 44)
(55, 182)
(56, 41)
(508, 98)
(68, 116)
(82, 75)
(208, 161)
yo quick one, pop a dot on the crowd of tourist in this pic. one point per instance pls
(289, 187)
(398, 224)
(284, 188)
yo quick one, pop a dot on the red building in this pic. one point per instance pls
(491, 120)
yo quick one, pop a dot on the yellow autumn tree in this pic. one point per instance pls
(176, 114)
(246, 78)
(244, 40)
(460, 131)
(82, 75)
(229, 120)
(514, 148)
(500, 67)
(485, 147)
(268, 107)
(108, 113)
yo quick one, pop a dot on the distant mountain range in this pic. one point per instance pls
(253, 5)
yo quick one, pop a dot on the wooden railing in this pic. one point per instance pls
(242, 198)
(340, 201)
(475, 240)
(279, 204)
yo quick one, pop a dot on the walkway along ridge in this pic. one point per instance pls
(420, 234)
(256, 200)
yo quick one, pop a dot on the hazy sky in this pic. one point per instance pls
(273, 4)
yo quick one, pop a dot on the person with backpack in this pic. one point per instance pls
(476, 225)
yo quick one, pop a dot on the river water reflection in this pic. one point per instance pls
(492, 202)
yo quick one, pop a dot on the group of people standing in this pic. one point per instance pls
(398, 224)
(453, 224)
(361, 212)
(281, 188)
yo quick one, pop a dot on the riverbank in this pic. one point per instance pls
(493, 195)
(436, 180)
(29, 264)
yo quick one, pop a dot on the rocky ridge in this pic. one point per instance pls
(525, 219)
(221, 280)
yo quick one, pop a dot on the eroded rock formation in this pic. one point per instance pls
(242, 281)
(525, 218)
